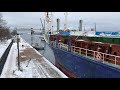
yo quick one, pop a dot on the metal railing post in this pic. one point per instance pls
(74, 49)
(71, 49)
(86, 52)
(103, 57)
(115, 60)
(94, 54)
(80, 50)
(60, 45)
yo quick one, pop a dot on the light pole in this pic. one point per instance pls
(18, 40)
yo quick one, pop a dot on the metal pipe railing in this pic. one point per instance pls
(91, 53)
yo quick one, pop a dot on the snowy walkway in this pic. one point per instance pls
(32, 63)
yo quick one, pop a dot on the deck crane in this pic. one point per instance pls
(43, 28)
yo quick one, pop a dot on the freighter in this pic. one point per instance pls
(80, 54)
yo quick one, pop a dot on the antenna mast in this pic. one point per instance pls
(95, 29)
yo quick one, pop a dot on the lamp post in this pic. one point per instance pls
(18, 40)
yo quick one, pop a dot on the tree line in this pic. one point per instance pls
(5, 33)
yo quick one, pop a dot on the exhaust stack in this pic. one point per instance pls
(80, 25)
(58, 25)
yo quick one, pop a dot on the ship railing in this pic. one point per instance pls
(103, 57)
(63, 46)
(53, 43)
(60, 45)
(100, 56)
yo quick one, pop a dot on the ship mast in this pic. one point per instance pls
(65, 25)
(49, 21)
(48, 25)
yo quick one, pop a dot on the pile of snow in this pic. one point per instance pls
(25, 70)
(17, 72)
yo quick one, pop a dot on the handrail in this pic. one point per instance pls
(102, 54)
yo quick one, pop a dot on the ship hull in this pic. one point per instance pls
(74, 65)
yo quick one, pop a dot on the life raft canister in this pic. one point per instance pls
(58, 45)
(98, 56)
(85, 34)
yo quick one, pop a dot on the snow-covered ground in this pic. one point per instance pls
(31, 68)
(3, 46)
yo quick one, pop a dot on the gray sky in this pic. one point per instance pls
(106, 21)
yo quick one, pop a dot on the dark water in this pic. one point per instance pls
(47, 52)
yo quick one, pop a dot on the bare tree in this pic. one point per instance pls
(4, 30)
(14, 32)
(2, 21)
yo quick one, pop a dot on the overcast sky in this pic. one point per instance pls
(106, 21)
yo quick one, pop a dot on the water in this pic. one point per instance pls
(47, 52)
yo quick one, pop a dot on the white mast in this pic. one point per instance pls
(48, 25)
(51, 22)
(65, 25)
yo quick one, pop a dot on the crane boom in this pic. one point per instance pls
(41, 23)
(43, 28)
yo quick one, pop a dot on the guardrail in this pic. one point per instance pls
(4, 57)
(103, 57)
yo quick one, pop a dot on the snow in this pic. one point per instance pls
(52, 66)
(29, 68)
(3, 46)
(23, 56)
(10, 64)
(17, 72)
